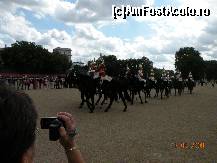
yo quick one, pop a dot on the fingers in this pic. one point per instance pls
(66, 114)
(62, 132)
(65, 118)
(68, 119)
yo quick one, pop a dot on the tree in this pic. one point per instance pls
(187, 60)
(27, 57)
(211, 69)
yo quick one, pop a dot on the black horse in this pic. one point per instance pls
(190, 85)
(87, 87)
(162, 86)
(112, 90)
(136, 87)
(150, 84)
(178, 86)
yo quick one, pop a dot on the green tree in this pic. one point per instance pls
(187, 60)
(27, 57)
(211, 69)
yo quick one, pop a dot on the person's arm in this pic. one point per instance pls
(72, 152)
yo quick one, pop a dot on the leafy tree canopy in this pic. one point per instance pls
(187, 60)
(27, 57)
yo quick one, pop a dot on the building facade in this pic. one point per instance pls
(63, 51)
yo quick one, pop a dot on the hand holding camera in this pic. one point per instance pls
(68, 133)
(62, 127)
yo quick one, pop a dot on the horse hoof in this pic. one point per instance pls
(106, 110)
(141, 102)
(124, 110)
(146, 101)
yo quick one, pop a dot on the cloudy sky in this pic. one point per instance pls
(87, 27)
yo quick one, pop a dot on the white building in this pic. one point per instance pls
(63, 51)
(78, 64)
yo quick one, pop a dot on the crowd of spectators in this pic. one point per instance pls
(34, 81)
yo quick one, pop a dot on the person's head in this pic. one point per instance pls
(17, 126)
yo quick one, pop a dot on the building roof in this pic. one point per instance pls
(58, 48)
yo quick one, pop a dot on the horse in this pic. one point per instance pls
(112, 89)
(190, 84)
(178, 85)
(150, 84)
(162, 86)
(86, 85)
(136, 86)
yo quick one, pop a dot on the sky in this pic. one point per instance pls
(88, 28)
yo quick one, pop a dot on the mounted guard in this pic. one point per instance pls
(128, 72)
(102, 74)
(190, 82)
(190, 76)
(164, 75)
(140, 74)
(93, 70)
(179, 76)
(168, 77)
(152, 75)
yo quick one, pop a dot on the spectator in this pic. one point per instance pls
(18, 118)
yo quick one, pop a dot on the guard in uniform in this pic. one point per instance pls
(128, 72)
(93, 70)
(164, 75)
(152, 75)
(102, 73)
(168, 77)
(179, 76)
(140, 74)
(190, 76)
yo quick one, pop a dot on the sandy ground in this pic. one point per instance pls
(145, 133)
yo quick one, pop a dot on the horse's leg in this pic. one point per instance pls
(132, 93)
(103, 101)
(179, 91)
(116, 98)
(126, 96)
(191, 90)
(146, 96)
(140, 97)
(123, 100)
(161, 93)
(149, 93)
(168, 92)
(156, 92)
(92, 103)
(110, 104)
(100, 96)
(82, 100)
(87, 101)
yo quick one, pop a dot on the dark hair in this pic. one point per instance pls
(17, 124)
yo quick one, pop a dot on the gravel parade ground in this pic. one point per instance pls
(146, 133)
